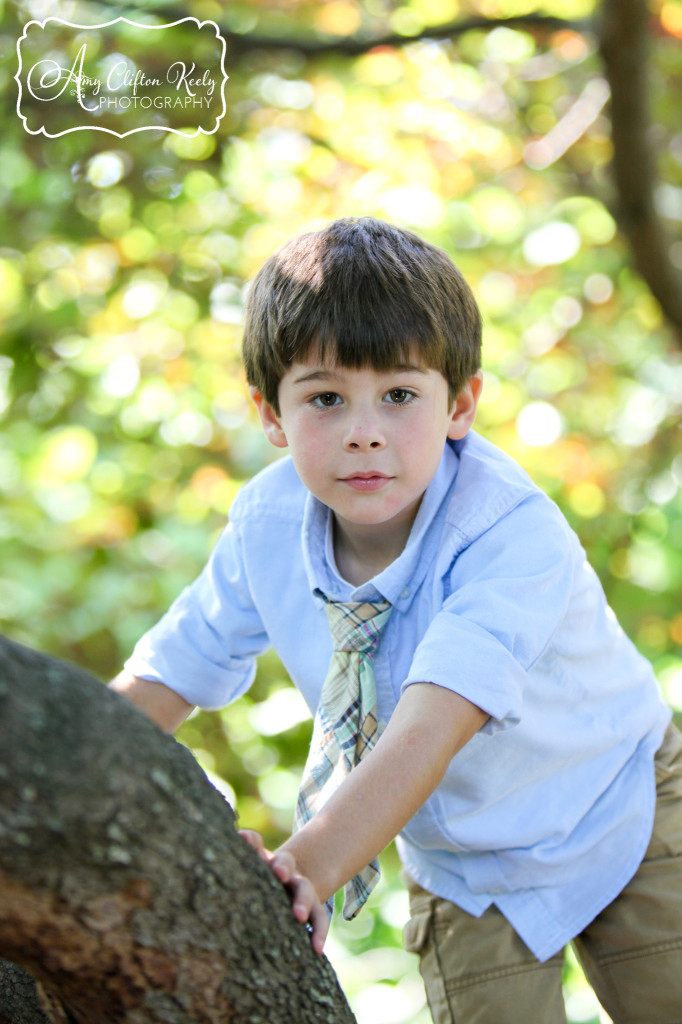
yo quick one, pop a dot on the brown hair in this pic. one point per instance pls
(365, 293)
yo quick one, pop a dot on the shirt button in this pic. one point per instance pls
(405, 592)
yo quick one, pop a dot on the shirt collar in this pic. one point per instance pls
(399, 581)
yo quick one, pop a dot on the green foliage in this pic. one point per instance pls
(126, 425)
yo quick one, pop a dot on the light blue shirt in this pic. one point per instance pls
(548, 810)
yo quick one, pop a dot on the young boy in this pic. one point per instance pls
(520, 731)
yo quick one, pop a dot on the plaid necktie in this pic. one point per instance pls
(345, 727)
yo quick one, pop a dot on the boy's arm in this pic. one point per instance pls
(377, 799)
(163, 705)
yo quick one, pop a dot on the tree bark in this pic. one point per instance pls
(23, 999)
(125, 889)
(624, 43)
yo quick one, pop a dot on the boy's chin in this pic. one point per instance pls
(381, 518)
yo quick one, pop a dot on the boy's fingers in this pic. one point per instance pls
(306, 905)
(308, 909)
(284, 866)
(255, 840)
(252, 837)
(319, 922)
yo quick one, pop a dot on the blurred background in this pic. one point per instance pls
(125, 425)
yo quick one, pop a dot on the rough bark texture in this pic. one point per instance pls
(624, 40)
(125, 890)
(23, 999)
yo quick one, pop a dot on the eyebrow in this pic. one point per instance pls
(322, 374)
(313, 375)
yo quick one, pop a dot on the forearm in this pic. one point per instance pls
(430, 724)
(165, 707)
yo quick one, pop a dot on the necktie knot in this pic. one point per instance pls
(356, 626)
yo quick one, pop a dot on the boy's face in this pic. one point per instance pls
(367, 442)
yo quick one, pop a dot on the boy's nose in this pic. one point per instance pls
(364, 434)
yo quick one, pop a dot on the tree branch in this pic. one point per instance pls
(355, 46)
(624, 43)
(125, 889)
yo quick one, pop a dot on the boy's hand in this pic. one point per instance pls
(305, 901)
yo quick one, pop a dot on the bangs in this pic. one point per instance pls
(378, 338)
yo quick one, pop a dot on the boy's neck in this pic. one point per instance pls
(363, 551)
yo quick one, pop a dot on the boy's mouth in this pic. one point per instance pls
(370, 481)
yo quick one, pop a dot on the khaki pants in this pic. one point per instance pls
(478, 971)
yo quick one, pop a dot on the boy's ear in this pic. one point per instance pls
(464, 407)
(269, 420)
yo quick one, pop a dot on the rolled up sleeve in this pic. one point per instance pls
(508, 592)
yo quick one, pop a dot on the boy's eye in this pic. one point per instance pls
(327, 400)
(399, 396)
